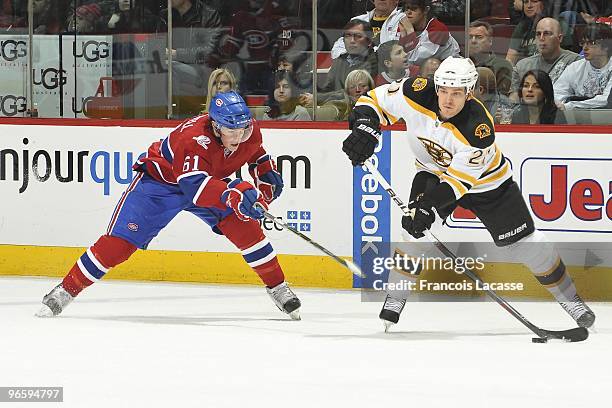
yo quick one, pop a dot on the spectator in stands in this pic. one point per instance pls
(481, 42)
(359, 55)
(50, 16)
(299, 65)
(522, 43)
(284, 103)
(131, 16)
(515, 11)
(225, 8)
(262, 25)
(220, 80)
(391, 62)
(384, 19)
(551, 58)
(429, 67)
(13, 15)
(424, 37)
(452, 12)
(605, 17)
(333, 14)
(196, 31)
(537, 101)
(586, 83)
(571, 11)
(358, 82)
(485, 89)
(564, 7)
(85, 19)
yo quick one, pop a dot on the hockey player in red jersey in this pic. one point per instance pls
(191, 170)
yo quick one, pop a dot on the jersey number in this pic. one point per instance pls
(190, 165)
(479, 156)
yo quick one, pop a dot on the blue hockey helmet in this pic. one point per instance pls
(231, 119)
(229, 110)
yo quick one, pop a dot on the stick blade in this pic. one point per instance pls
(354, 269)
(572, 335)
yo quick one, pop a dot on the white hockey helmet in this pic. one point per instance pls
(456, 72)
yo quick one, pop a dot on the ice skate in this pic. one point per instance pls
(285, 300)
(55, 302)
(579, 311)
(391, 311)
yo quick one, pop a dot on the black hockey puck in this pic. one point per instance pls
(539, 340)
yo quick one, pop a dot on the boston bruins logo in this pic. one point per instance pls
(419, 84)
(440, 155)
(482, 131)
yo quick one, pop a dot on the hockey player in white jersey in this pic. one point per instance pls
(458, 163)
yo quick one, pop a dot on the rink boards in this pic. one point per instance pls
(59, 185)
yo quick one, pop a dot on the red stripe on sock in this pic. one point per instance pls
(75, 281)
(270, 273)
(246, 234)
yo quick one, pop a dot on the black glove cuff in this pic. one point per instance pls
(366, 126)
(441, 196)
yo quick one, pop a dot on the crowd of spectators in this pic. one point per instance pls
(537, 100)
(556, 55)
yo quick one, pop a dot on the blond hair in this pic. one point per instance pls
(345, 106)
(353, 78)
(212, 88)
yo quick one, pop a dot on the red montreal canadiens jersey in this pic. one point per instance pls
(193, 158)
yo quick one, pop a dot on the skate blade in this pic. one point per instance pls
(295, 315)
(593, 329)
(387, 325)
(44, 311)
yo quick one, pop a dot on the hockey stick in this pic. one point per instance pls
(347, 264)
(571, 335)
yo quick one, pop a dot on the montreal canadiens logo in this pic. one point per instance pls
(256, 38)
(132, 226)
(218, 102)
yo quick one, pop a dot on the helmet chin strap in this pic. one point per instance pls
(216, 129)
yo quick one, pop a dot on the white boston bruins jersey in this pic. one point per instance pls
(461, 151)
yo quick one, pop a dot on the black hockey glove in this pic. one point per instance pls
(362, 141)
(422, 219)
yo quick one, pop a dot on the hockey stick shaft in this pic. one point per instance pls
(469, 273)
(347, 264)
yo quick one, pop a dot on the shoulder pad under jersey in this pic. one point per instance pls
(422, 92)
(475, 123)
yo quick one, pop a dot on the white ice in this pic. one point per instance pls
(126, 344)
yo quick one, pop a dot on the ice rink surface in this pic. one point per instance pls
(185, 345)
